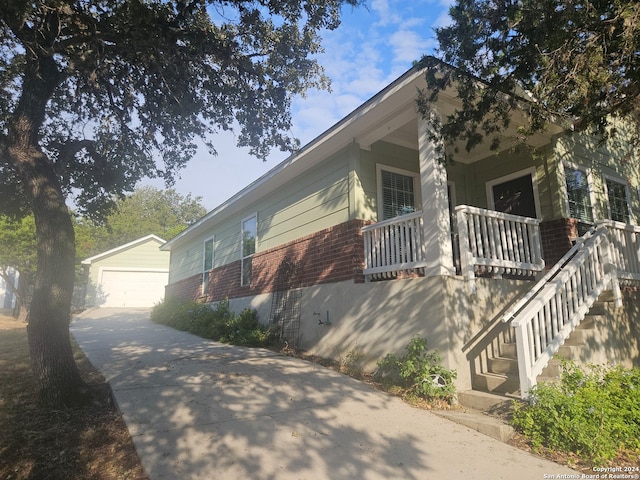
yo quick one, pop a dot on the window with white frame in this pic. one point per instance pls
(396, 192)
(618, 199)
(578, 194)
(207, 263)
(248, 247)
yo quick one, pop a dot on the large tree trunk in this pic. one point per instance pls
(57, 377)
(52, 359)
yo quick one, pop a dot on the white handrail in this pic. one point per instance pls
(548, 317)
(509, 314)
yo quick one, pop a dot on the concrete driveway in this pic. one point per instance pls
(197, 409)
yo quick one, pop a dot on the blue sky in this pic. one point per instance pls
(373, 46)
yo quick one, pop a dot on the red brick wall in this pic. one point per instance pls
(557, 236)
(331, 255)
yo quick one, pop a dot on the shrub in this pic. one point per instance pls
(418, 374)
(594, 413)
(218, 323)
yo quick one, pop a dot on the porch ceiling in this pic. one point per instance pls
(401, 128)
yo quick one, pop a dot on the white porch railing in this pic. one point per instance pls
(624, 241)
(559, 301)
(498, 243)
(394, 246)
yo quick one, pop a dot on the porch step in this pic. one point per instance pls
(500, 406)
(496, 383)
(503, 365)
(508, 350)
(479, 422)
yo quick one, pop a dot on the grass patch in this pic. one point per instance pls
(91, 442)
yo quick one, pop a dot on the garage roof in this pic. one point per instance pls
(121, 248)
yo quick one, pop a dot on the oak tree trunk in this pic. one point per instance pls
(57, 377)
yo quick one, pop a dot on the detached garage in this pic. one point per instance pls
(132, 275)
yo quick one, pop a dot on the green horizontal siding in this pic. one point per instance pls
(318, 199)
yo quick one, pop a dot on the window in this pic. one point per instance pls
(248, 248)
(207, 264)
(396, 192)
(618, 197)
(578, 194)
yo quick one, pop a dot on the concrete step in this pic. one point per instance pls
(508, 350)
(570, 352)
(551, 371)
(496, 383)
(491, 403)
(503, 365)
(480, 422)
(579, 336)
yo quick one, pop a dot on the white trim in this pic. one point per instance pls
(563, 187)
(417, 197)
(204, 259)
(255, 248)
(627, 194)
(512, 176)
(141, 240)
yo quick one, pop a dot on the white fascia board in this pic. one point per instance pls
(339, 136)
(138, 241)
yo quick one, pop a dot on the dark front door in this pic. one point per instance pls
(515, 197)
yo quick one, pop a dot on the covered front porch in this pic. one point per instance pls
(482, 242)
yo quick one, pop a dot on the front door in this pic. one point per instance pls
(515, 196)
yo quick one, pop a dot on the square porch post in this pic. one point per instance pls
(435, 206)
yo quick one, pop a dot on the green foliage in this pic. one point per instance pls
(418, 373)
(594, 414)
(574, 60)
(147, 210)
(218, 323)
(351, 364)
(18, 244)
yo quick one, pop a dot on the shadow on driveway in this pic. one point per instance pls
(198, 409)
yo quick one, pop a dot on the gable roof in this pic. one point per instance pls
(387, 111)
(364, 119)
(122, 248)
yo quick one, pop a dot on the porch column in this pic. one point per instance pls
(435, 206)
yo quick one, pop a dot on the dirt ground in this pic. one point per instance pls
(39, 443)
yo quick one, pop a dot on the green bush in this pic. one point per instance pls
(594, 414)
(218, 323)
(418, 373)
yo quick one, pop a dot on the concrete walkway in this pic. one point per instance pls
(197, 409)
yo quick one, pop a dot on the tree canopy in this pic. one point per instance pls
(96, 95)
(146, 211)
(575, 61)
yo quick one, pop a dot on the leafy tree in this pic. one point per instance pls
(146, 211)
(96, 95)
(18, 250)
(572, 60)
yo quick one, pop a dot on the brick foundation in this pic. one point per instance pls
(331, 255)
(557, 237)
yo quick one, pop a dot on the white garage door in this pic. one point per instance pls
(132, 288)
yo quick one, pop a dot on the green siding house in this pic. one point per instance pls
(363, 239)
(132, 275)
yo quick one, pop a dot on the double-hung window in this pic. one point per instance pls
(618, 198)
(207, 264)
(248, 247)
(396, 192)
(578, 194)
